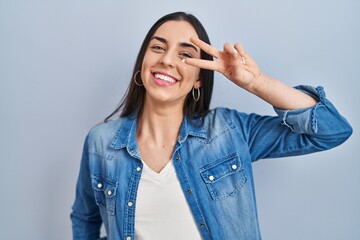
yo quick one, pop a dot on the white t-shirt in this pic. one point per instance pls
(162, 212)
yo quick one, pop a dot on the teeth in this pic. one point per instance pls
(164, 78)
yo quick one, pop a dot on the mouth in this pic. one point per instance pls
(164, 79)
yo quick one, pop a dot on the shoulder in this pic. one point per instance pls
(221, 118)
(105, 128)
(225, 114)
(104, 133)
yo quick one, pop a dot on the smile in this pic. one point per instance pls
(164, 78)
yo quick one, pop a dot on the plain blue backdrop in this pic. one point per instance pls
(64, 66)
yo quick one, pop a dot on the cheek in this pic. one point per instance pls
(145, 66)
(191, 73)
(145, 62)
(149, 59)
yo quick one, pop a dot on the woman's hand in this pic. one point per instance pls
(233, 62)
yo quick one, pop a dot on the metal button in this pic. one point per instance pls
(211, 178)
(109, 193)
(99, 185)
(177, 158)
(189, 191)
(130, 204)
(131, 149)
(138, 169)
(128, 238)
(202, 225)
(234, 167)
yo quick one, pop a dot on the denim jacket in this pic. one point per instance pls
(212, 158)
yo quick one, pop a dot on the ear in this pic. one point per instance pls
(197, 84)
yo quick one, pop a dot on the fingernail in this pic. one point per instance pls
(243, 60)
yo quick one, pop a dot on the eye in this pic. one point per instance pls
(185, 55)
(157, 48)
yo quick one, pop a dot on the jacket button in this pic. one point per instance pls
(130, 204)
(189, 191)
(99, 185)
(177, 158)
(128, 238)
(138, 169)
(211, 178)
(109, 193)
(234, 167)
(202, 225)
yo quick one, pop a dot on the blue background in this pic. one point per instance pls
(65, 65)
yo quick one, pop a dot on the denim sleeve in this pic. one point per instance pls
(304, 120)
(300, 131)
(85, 216)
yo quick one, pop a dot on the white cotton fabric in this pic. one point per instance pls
(162, 212)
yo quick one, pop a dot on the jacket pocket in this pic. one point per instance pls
(224, 177)
(105, 192)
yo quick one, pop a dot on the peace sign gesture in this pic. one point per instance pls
(233, 62)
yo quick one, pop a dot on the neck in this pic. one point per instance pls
(159, 125)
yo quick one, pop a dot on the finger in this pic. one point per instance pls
(205, 64)
(230, 50)
(205, 47)
(239, 48)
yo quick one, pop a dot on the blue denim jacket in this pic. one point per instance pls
(212, 159)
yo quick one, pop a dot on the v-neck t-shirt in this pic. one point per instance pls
(162, 212)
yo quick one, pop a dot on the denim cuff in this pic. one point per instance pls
(304, 120)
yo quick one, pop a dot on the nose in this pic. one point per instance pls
(168, 59)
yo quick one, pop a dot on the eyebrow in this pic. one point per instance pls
(182, 44)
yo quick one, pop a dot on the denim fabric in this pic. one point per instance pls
(212, 158)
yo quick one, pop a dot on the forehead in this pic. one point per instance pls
(176, 31)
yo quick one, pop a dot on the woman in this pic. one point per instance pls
(169, 168)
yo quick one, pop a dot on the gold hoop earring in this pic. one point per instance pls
(198, 94)
(140, 85)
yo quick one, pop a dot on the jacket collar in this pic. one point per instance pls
(126, 135)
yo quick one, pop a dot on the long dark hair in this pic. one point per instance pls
(133, 101)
